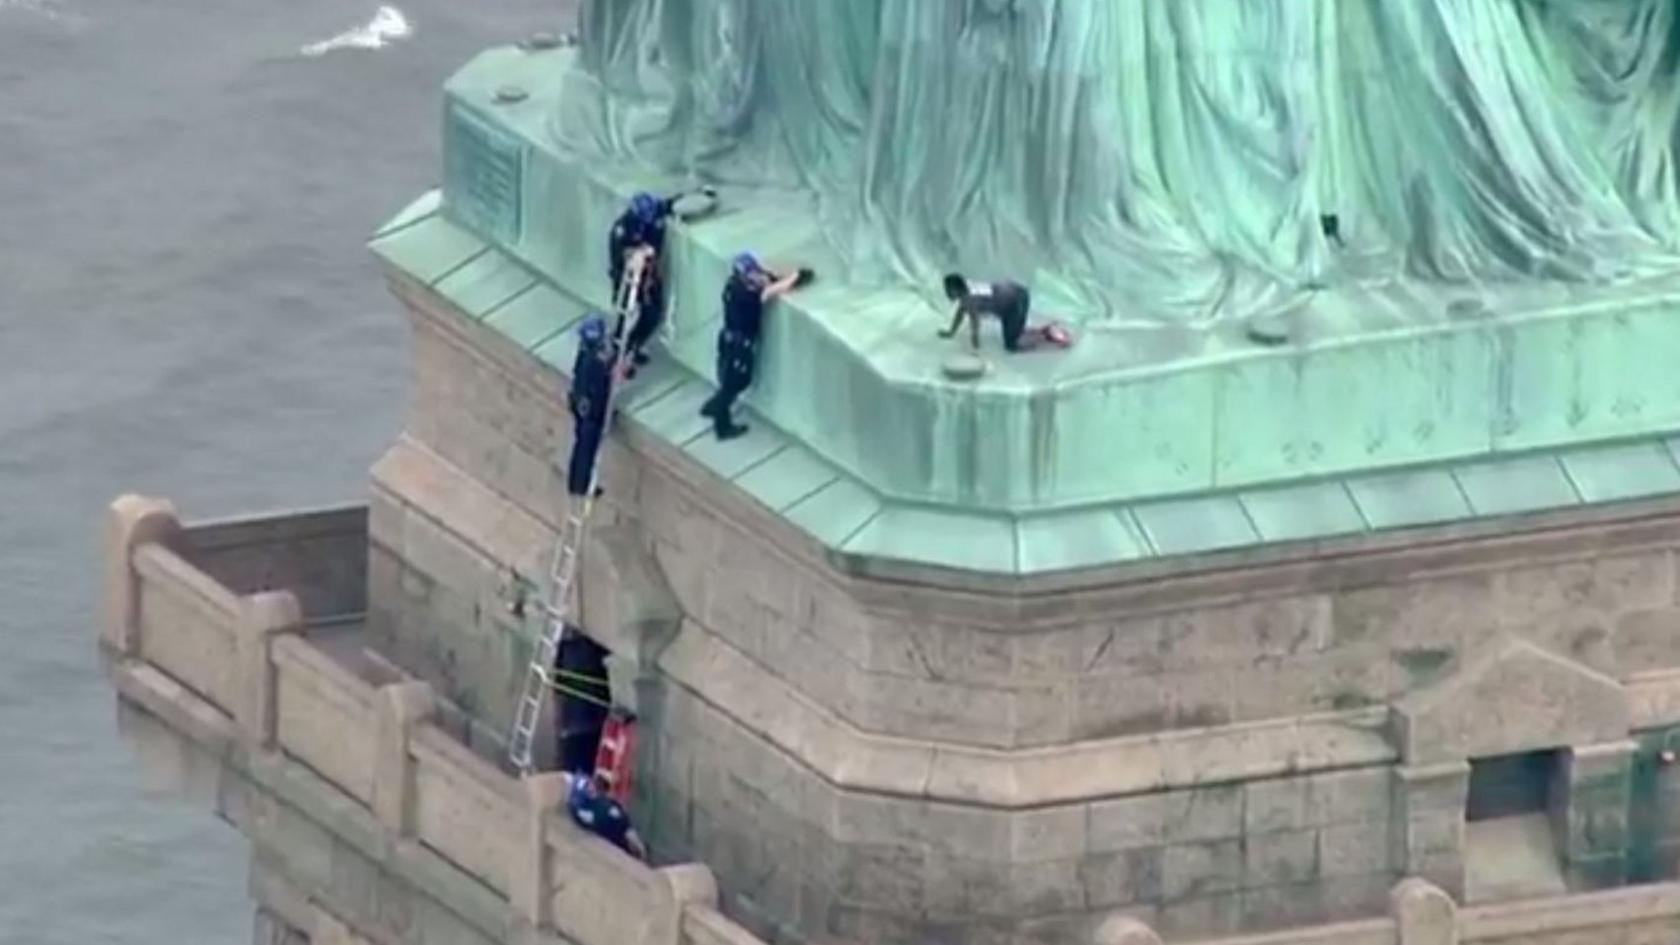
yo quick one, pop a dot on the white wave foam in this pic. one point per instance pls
(387, 24)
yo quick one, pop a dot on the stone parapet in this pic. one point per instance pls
(1241, 849)
(318, 555)
(1421, 914)
(337, 762)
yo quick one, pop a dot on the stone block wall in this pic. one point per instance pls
(799, 857)
(319, 555)
(970, 668)
(806, 851)
(366, 821)
(435, 610)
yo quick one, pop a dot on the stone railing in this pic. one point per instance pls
(251, 676)
(245, 673)
(318, 555)
(1421, 914)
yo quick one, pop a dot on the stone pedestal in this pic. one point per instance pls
(1424, 914)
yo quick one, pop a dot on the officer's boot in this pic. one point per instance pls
(727, 429)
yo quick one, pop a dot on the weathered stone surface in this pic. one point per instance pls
(1051, 833)
(939, 711)
(1432, 613)
(1426, 915)
(1121, 879)
(1648, 640)
(1513, 697)
(271, 929)
(1115, 706)
(883, 876)
(1280, 859)
(1245, 633)
(1314, 800)
(969, 832)
(1043, 888)
(1196, 870)
(1166, 818)
(1434, 831)
(1209, 916)
(262, 617)
(1353, 849)
(1200, 700)
(1609, 585)
(1438, 787)
(1343, 898)
(132, 521)
(398, 708)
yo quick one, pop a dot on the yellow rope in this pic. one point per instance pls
(580, 677)
(575, 694)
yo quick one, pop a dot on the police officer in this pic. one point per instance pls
(591, 388)
(594, 810)
(749, 288)
(640, 229)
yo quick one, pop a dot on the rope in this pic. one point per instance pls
(576, 694)
(580, 677)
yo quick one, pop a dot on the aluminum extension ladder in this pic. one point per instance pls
(562, 572)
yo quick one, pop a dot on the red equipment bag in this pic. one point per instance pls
(615, 757)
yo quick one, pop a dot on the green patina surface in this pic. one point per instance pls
(1648, 824)
(1376, 378)
(494, 286)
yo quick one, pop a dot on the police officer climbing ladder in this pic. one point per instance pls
(562, 571)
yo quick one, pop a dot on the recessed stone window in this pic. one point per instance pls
(1510, 847)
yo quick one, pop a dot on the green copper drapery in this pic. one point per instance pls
(1141, 160)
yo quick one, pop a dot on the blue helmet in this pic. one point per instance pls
(746, 264)
(645, 206)
(592, 330)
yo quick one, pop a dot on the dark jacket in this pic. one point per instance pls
(591, 383)
(631, 231)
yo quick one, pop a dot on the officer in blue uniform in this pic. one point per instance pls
(640, 229)
(594, 810)
(749, 289)
(591, 388)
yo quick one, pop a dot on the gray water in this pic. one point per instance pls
(186, 309)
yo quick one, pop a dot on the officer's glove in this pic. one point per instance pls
(806, 274)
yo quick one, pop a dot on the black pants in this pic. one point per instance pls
(1013, 320)
(586, 442)
(737, 356)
